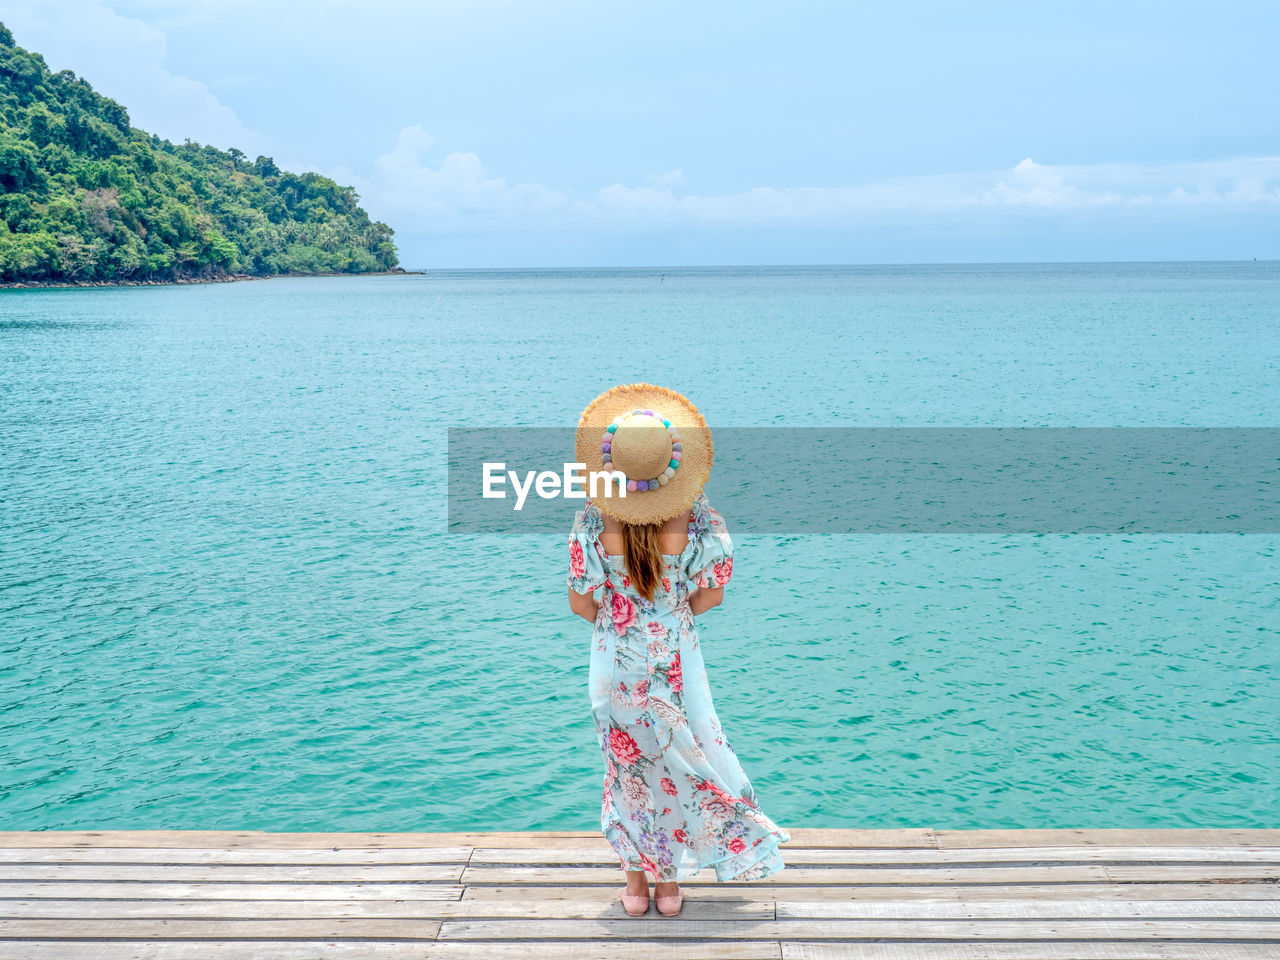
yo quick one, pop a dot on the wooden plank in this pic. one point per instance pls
(221, 839)
(584, 907)
(854, 838)
(1108, 837)
(595, 907)
(410, 950)
(324, 928)
(242, 855)
(605, 950)
(548, 856)
(773, 889)
(658, 927)
(229, 873)
(814, 876)
(636, 950)
(995, 855)
(212, 950)
(800, 837)
(651, 927)
(1022, 909)
(903, 876)
(1028, 951)
(1208, 871)
(231, 891)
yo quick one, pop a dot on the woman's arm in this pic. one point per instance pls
(584, 605)
(704, 598)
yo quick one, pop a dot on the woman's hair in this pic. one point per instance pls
(642, 555)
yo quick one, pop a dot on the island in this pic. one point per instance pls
(86, 198)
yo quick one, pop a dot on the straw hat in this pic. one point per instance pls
(657, 439)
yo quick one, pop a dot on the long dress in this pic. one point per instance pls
(675, 797)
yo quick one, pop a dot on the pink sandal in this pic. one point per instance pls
(635, 904)
(670, 906)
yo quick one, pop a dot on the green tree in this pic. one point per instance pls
(86, 196)
(19, 165)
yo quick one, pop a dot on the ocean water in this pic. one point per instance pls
(227, 600)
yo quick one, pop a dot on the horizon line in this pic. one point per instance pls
(885, 263)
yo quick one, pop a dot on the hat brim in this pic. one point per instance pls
(678, 494)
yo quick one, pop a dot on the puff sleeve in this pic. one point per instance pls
(710, 562)
(586, 560)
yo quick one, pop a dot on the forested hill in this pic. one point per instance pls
(84, 196)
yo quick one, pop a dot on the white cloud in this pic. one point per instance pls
(1032, 184)
(124, 59)
(404, 186)
(455, 193)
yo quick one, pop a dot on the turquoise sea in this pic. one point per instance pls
(227, 600)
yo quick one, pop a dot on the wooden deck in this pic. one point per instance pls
(867, 894)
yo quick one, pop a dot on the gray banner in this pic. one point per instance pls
(776, 480)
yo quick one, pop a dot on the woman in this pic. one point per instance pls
(675, 796)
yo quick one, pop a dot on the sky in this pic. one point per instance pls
(491, 133)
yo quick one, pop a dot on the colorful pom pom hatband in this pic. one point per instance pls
(651, 483)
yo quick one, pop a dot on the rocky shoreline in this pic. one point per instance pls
(223, 278)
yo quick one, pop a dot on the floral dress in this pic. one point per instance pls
(675, 796)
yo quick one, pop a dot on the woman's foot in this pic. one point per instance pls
(669, 898)
(635, 895)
